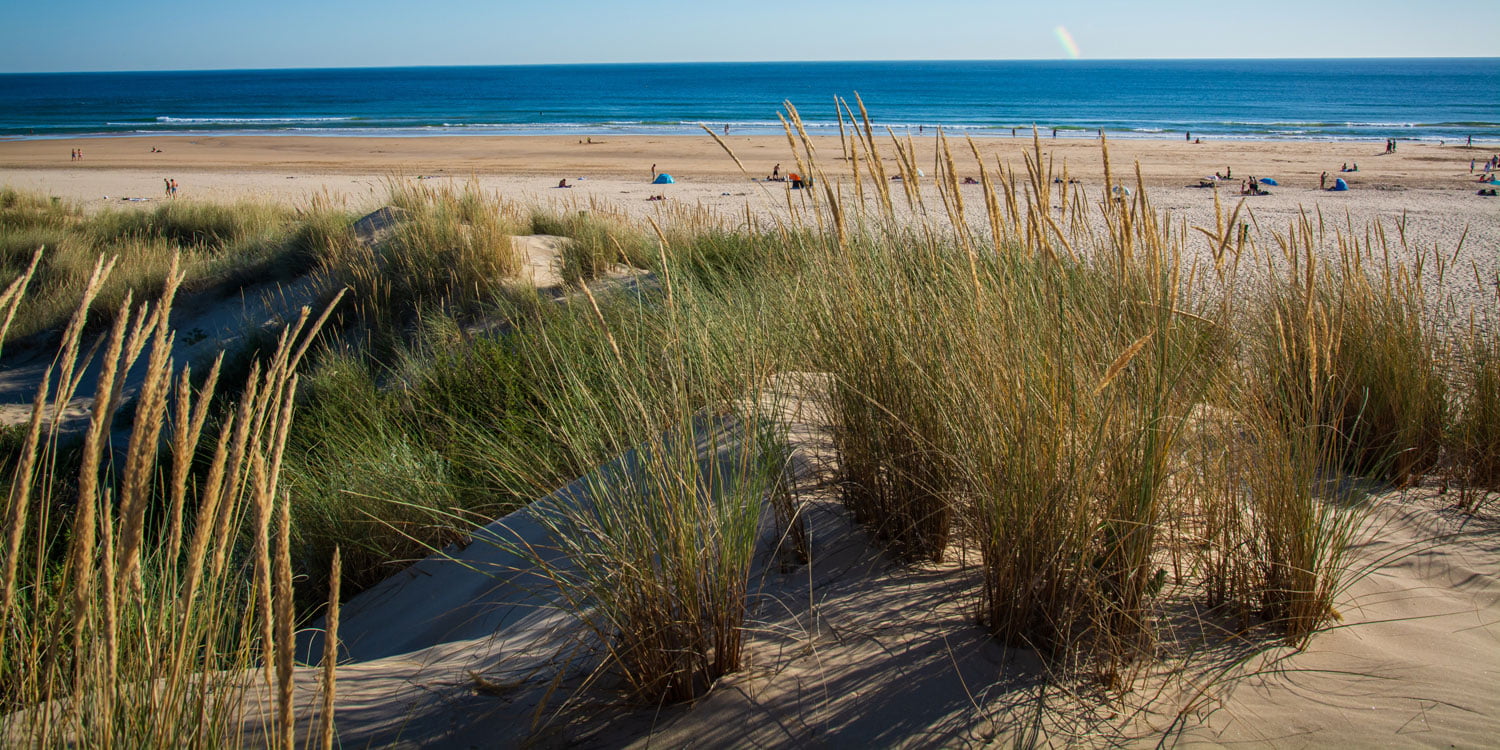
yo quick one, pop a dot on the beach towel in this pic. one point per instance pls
(663, 179)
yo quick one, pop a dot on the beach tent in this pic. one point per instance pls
(663, 179)
(1339, 185)
(1268, 181)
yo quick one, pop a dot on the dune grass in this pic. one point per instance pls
(217, 247)
(1055, 396)
(124, 622)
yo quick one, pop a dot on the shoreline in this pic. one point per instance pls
(693, 130)
(1163, 162)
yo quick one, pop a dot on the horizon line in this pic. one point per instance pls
(1064, 60)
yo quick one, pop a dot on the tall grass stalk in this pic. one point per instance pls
(110, 636)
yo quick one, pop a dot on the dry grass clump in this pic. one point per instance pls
(450, 253)
(1056, 399)
(187, 223)
(27, 210)
(122, 611)
(223, 247)
(600, 242)
(1473, 440)
(656, 544)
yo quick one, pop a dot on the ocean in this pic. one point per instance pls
(1418, 99)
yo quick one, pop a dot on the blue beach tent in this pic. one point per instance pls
(1339, 185)
(663, 179)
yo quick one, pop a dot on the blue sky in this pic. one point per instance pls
(71, 35)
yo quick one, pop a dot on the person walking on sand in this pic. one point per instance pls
(653, 172)
(776, 170)
(174, 188)
(1323, 181)
(167, 185)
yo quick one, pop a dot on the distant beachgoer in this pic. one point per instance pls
(1344, 167)
(1197, 140)
(1228, 173)
(726, 128)
(1188, 136)
(776, 172)
(1054, 132)
(1013, 132)
(167, 185)
(1354, 168)
(1323, 181)
(563, 183)
(1471, 141)
(174, 188)
(1471, 166)
(653, 171)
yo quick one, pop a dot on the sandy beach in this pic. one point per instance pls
(271, 166)
(1422, 195)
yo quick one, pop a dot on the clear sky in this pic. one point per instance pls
(73, 35)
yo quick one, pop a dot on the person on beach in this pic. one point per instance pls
(174, 188)
(726, 128)
(1054, 132)
(1323, 181)
(653, 172)
(1187, 136)
(776, 171)
(563, 183)
(167, 186)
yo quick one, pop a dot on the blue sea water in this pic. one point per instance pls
(1425, 99)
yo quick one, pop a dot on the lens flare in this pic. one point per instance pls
(1066, 40)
